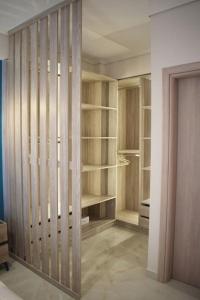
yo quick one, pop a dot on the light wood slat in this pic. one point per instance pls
(25, 141)
(64, 147)
(76, 145)
(34, 144)
(11, 170)
(53, 151)
(43, 141)
(18, 148)
(5, 146)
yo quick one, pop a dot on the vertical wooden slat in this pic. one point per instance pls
(18, 148)
(34, 144)
(5, 145)
(76, 144)
(141, 141)
(43, 141)
(53, 151)
(64, 147)
(25, 141)
(11, 124)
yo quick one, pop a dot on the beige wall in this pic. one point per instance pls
(3, 46)
(175, 40)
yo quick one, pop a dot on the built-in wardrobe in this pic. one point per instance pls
(116, 143)
(134, 147)
(76, 147)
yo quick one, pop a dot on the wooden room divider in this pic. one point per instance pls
(42, 155)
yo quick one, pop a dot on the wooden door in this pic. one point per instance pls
(186, 262)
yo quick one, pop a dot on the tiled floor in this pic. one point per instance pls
(113, 269)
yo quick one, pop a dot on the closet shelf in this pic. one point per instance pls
(146, 169)
(86, 106)
(146, 138)
(86, 201)
(146, 107)
(89, 168)
(146, 202)
(90, 199)
(99, 138)
(128, 216)
(129, 151)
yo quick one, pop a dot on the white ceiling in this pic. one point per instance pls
(112, 29)
(115, 29)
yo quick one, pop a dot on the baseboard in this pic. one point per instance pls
(131, 226)
(152, 274)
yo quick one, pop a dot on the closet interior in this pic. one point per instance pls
(99, 156)
(116, 144)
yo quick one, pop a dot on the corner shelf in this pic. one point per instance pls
(98, 137)
(146, 107)
(90, 199)
(86, 106)
(129, 151)
(89, 168)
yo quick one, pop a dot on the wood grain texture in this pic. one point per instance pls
(37, 125)
(121, 119)
(76, 144)
(44, 143)
(128, 145)
(145, 148)
(53, 148)
(132, 117)
(132, 183)
(34, 143)
(25, 142)
(186, 260)
(11, 124)
(18, 148)
(134, 122)
(64, 145)
(6, 145)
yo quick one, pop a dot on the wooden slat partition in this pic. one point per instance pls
(43, 141)
(42, 122)
(64, 144)
(25, 142)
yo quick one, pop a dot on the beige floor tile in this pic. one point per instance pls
(113, 268)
